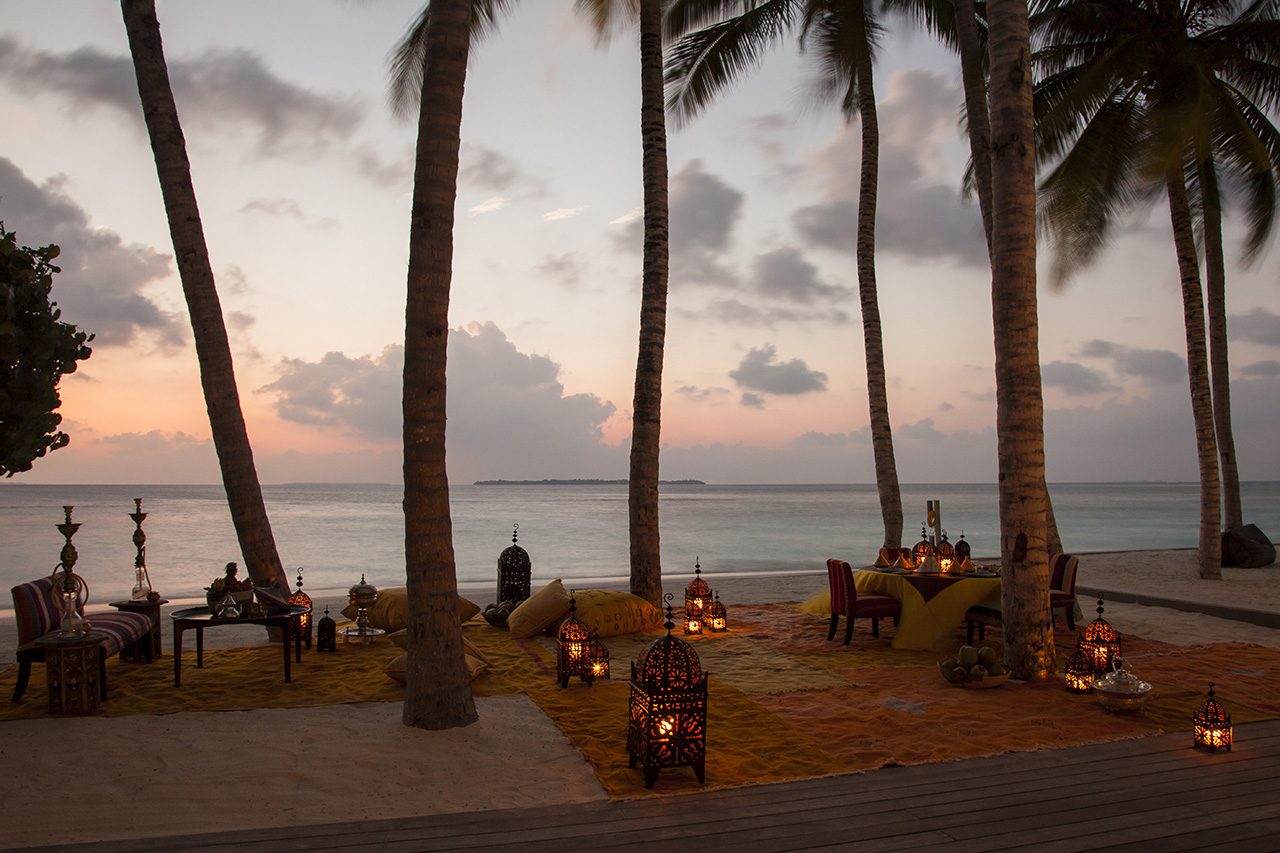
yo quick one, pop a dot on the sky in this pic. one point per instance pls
(304, 175)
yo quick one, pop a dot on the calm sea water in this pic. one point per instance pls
(579, 533)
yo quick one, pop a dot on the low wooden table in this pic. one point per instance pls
(72, 672)
(150, 609)
(202, 617)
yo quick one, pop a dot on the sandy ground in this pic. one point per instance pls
(206, 772)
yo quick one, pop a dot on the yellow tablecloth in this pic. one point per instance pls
(925, 624)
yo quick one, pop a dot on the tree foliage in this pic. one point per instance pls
(36, 350)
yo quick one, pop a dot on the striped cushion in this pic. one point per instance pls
(122, 629)
(36, 616)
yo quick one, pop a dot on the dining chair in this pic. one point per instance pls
(1062, 596)
(846, 601)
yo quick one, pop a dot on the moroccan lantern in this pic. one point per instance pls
(697, 598)
(514, 569)
(717, 618)
(327, 634)
(1080, 673)
(1101, 642)
(963, 552)
(362, 596)
(597, 658)
(573, 642)
(923, 549)
(1212, 728)
(667, 724)
(946, 553)
(303, 623)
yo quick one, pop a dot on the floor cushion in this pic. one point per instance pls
(391, 611)
(544, 608)
(612, 614)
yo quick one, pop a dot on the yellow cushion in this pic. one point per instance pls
(396, 669)
(612, 614)
(391, 611)
(545, 607)
(401, 639)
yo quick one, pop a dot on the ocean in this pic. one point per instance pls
(337, 532)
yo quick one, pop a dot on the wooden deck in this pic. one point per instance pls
(1154, 793)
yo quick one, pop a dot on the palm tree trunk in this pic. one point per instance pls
(213, 351)
(642, 497)
(1024, 559)
(1198, 375)
(873, 342)
(438, 688)
(1219, 368)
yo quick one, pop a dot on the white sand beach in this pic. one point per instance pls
(202, 772)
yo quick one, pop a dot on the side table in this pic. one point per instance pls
(73, 672)
(150, 609)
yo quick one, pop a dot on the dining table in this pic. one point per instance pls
(932, 604)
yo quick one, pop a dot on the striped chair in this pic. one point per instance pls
(846, 601)
(33, 605)
(1062, 596)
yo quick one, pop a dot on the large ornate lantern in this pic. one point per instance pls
(697, 598)
(514, 570)
(717, 619)
(668, 709)
(1212, 729)
(303, 623)
(923, 549)
(1101, 642)
(1080, 673)
(946, 553)
(327, 634)
(963, 552)
(573, 642)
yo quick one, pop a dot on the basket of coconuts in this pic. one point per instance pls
(496, 614)
(974, 668)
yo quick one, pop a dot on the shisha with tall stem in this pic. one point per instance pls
(70, 592)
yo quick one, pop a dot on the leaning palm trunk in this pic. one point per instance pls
(1024, 560)
(438, 687)
(1219, 368)
(642, 497)
(1210, 552)
(877, 388)
(213, 351)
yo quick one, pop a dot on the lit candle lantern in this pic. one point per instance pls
(697, 596)
(572, 644)
(1212, 725)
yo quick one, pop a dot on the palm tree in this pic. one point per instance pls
(1024, 559)
(707, 60)
(217, 372)
(1147, 97)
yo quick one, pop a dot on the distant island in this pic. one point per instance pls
(580, 483)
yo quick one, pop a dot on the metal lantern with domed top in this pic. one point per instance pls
(514, 571)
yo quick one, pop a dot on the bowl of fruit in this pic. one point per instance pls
(973, 667)
(496, 614)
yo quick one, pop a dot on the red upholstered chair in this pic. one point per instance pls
(1062, 596)
(33, 605)
(846, 601)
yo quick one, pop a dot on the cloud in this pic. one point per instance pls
(285, 208)
(833, 439)
(1075, 379)
(751, 401)
(737, 312)
(1258, 326)
(1156, 366)
(565, 270)
(1270, 367)
(919, 214)
(562, 213)
(701, 395)
(761, 371)
(489, 205)
(508, 414)
(785, 274)
(102, 285)
(485, 168)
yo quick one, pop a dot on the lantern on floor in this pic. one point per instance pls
(697, 598)
(717, 618)
(597, 658)
(667, 723)
(572, 645)
(923, 549)
(362, 597)
(1080, 673)
(946, 553)
(303, 622)
(327, 634)
(963, 552)
(1212, 729)
(1101, 642)
(514, 569)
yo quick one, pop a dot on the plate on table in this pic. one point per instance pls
(982, 573)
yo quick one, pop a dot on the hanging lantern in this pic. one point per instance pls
(572, 645)
(1212, 729)
(667, 724)
(514, 569)
(1080, 673)
(923, 549)
(327, 634)
(597, 658)
(946, 553)
(303, 623)
(962, 549)
(697, 598)
(1101, 642)
(717, 619)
